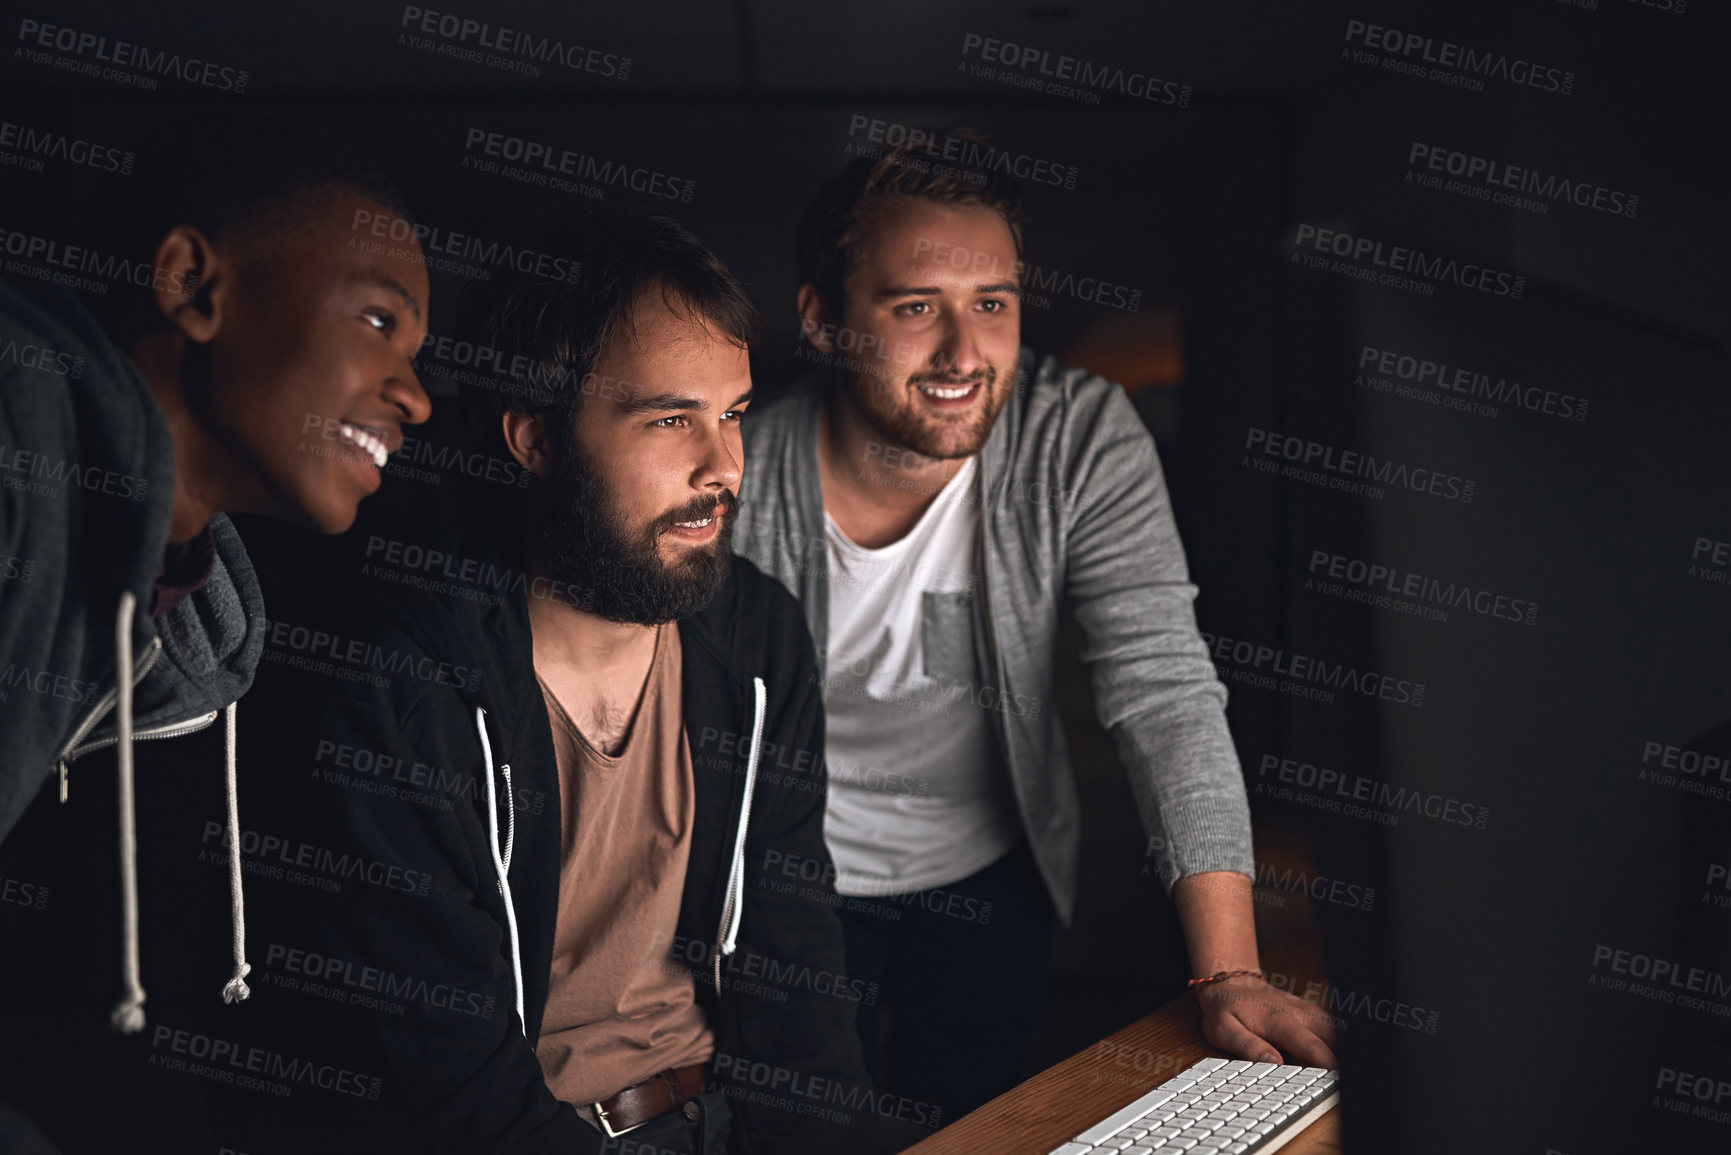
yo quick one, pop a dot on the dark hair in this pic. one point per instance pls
(546, 334)
(841, 213)
(226, 174)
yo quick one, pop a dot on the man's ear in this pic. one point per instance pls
(526, 437)
(814, 319)
(191, 283)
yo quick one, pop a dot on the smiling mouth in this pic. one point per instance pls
(368, 440)
(959, 392)
(710, 517)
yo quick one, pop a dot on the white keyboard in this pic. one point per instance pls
(1215, 1108)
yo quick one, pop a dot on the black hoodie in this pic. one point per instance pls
(401, 836)
(86, 498)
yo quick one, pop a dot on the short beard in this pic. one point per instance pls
(903, 427)
(615, 573)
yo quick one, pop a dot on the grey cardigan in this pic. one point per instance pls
(1073, 505)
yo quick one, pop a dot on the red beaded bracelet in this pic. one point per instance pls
(1214, 978)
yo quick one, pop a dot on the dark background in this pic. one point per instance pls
(1197, 207)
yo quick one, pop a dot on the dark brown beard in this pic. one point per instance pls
(616, 573)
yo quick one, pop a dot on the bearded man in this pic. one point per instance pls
(938, 496)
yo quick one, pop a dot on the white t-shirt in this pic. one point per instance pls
(918, 797)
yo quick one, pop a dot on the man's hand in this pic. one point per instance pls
(1255, 1021)
(1244, 1015)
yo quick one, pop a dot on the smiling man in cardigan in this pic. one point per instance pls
(935, 496)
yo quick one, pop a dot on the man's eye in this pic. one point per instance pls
(907, 310)
(994, 305)
(674, 422)
(381, 319)
(733, 415)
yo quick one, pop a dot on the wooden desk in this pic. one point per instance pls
(1050, 1108)
(1054, 1105)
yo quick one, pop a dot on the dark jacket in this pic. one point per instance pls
(86, 496)
(86, 499)
(403, 854)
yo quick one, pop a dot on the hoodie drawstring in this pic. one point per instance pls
(501, 865)
(235, 989)
(128, 1016)
(734, 906)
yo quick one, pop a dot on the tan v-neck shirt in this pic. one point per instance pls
(618, 1009)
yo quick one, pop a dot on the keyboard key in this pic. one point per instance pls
(1236, 1066)
(1072, 1149)
(1116, 1121)
(1208, 1064)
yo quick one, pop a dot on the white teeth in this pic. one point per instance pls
(365, 441)
(694, 524)
(953, 394)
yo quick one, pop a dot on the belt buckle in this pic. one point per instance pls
(606, 1126)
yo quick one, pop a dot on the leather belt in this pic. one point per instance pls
(650, 1099)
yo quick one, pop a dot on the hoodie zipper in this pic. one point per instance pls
(510, 815)
(171, 730)
(72, 750)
